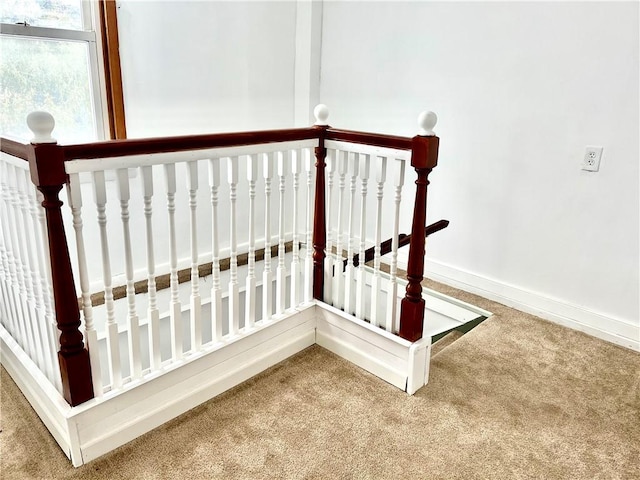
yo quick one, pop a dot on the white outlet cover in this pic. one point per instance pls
(591, 159)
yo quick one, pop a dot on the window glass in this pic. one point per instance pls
(43, 13)
(50, 75)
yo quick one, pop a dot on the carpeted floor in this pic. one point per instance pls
(517, 397)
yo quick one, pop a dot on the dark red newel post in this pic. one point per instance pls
(424, 157)
(321, 113)
(46, 163)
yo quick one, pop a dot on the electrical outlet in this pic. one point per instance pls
(592, 157)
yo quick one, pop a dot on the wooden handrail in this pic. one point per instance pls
(142, 146)
(121, 148)
(365, 138)
(403, 240)
(14, 148)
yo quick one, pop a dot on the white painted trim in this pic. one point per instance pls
(46, 32)
(401, 363)
(599, 325)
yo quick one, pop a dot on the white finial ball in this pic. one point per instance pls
(426, 122)
(41, 124)
(321, 112)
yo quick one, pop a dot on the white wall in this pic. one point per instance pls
(201, 67)
(520, 89)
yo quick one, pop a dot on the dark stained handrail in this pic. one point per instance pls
(12, 147)
(403, 240)
(365, 138)
(121, 148)
(141, 146)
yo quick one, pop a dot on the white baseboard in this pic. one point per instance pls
(397, 361)
(601, 326)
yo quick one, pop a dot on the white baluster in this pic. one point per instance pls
(250, 293)
(196, 302)
(338, 288)
(281, 271)
(9, 316)
(267, 275)
(365, 163)
(349, 293)
(113, 345)
(234, 295)
(381, 176)
(10, 272)
(216, 293)
(91, 335)
(153, 315)
(29, 263)
(175, 310)
(391, 323)
(308, 261)
(12, 265)
(22, 271)
(296, 166)
(6, 316)
(332, 164)
(38, 274)
(133, 322)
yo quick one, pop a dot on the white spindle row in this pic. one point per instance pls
(185, 228)
(26, 305)
(366, 292)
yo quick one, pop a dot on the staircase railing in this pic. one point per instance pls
(296, 223)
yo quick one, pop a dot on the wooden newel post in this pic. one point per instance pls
(321, 113)
(424, 157)
(46, 163)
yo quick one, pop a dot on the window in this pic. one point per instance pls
(55, 59)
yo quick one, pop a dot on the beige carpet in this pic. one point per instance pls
(517, 397)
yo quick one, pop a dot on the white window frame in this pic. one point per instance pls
(89, 35)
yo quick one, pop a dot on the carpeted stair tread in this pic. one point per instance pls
(444, 342)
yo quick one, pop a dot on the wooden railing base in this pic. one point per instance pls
(75, 369)
(411, 330)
